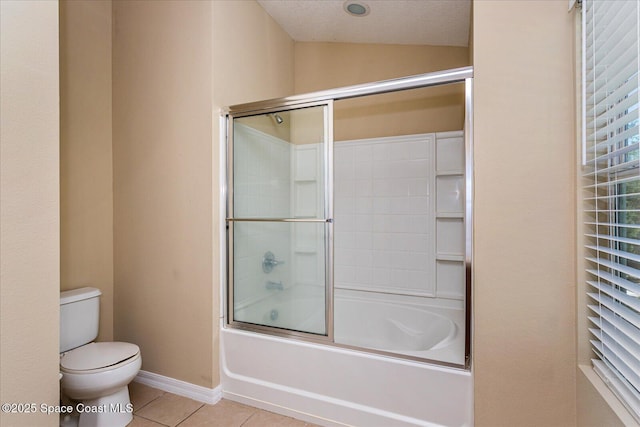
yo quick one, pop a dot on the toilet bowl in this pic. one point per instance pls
(94, 375)
(98, 374)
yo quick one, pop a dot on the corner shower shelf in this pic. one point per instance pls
(449, 172)
(459, 215)
(449, 257)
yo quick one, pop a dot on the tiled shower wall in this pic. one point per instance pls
(398, 211)
(399, 205)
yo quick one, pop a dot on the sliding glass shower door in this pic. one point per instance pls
(399, 281)
(279, 219)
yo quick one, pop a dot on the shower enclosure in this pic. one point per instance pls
(349, 236)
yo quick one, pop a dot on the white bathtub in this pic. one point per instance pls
(300, 308)
(426, 332)
(329, 385)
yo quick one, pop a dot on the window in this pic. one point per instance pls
(611, 188)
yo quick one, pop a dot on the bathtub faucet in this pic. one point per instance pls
(274, 285)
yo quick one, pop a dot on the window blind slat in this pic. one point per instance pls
(611, 86)
(597, 64)
(608, 85)
(596, 347)
(601, 212)
(606, 20)
(616, 153)
(616, 295)
(629, 396)
(606, 78)
(615, 353)
(611, 196)
(619, 126)
(609, 137)
(627, 314)
(616, 280)
(612, 339)
(615, 239)
(597, 120)
(622, 167)
(615, 252)
(629, 343)
(629, 330)
(615, 266)
(614, 224)
(591, 187)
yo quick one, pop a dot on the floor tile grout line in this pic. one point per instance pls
(135, 410)
(153, 421)
(254, 411)
(248, 418)
(190, 415)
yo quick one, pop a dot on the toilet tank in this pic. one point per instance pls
(79, 317)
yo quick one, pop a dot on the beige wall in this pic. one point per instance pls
(175, 64)
(29, 208)
(524, 266)
(321, 66)
(162, 185)
(252, 55)
(471, 36)
(86, 189)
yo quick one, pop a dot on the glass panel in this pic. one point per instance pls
(399, 212)
(279, 275)
(278, 164)
(279, 174)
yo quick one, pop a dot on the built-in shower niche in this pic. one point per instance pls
(278, 206)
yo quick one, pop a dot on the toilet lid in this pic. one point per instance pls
(98, 355)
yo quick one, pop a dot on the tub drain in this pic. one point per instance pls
(273, 315)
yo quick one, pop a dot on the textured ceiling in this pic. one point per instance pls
(431, 22)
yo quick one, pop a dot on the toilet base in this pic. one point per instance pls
(114, 410)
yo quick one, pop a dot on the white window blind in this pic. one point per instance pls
(611, 185)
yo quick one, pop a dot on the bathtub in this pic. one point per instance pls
(399, 327)
(278, 310)
(343, 384)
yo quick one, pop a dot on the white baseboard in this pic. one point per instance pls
(181, 388)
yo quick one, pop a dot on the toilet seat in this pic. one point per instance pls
(98, 357)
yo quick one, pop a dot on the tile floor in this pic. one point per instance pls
(156, 408)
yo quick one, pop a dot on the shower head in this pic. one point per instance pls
(279, 119)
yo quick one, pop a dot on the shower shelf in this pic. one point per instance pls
(449, 257)
(450, 215)
(449, 172)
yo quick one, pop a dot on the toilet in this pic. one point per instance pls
(94, 374)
